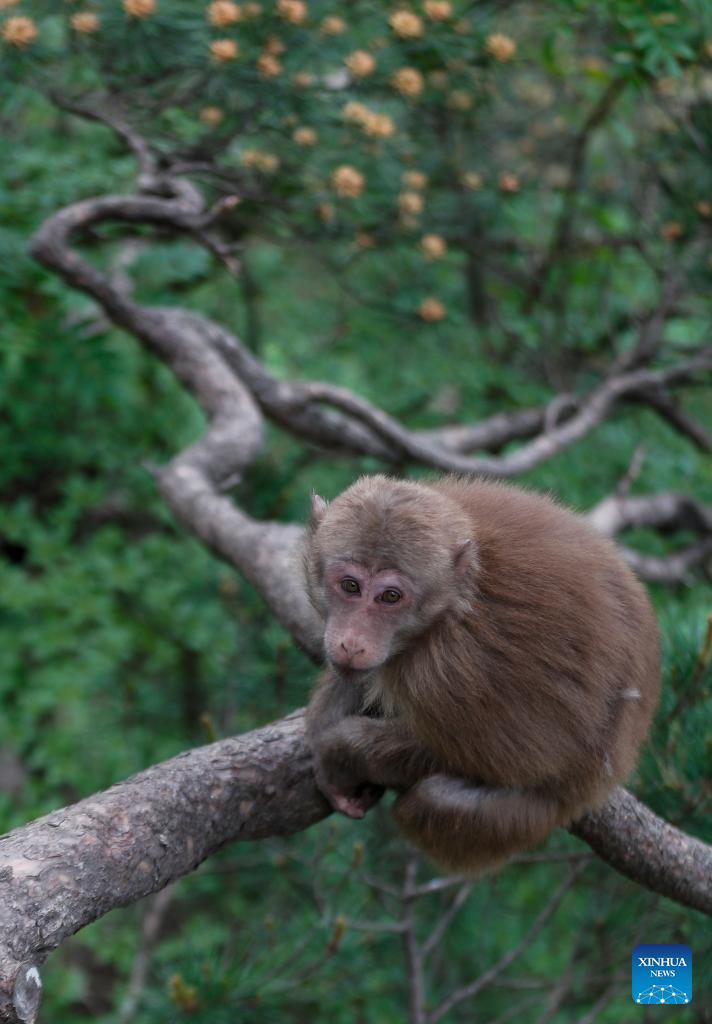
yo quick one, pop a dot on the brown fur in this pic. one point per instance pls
(510, 697)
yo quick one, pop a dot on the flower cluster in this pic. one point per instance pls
(373, 124)
(140, 8)
(406, 24)
(500, 46)
(347, 182)
(259, 160)
(224, 49)
(360, 63)
(85, 22)
(19, 31)
(294, 11)
(408, 82)
(223, 12)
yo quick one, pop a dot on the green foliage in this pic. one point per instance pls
(122, 641)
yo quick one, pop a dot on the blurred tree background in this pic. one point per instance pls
(452, 208)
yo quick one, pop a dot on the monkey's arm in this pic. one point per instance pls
(334, 701)
(376, 750)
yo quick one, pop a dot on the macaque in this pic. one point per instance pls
(490, 658)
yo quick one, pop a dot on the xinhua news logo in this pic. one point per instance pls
(662, 973)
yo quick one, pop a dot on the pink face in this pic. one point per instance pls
(368, 609)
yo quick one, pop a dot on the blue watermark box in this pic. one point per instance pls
(662, 973)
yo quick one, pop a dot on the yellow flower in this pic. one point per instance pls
(211, 115)
(332, 25)
(303, 79)
(223, 12)
(85, 22)
(140, 8)
(360, 63)
(406, 24)
(459, 100)
(347, 181)
(704, 208)
(259, 160)
(438, 10)
(378, 126)
(508, 183)
(433, 246)
(268, 66)
(438, 79)
(593, 65)
(327, 212)
(224, 49)
(411, 202)
(672, 231)
(472, 180)
(415, 180)
(19, 31)
(294, 11)
(356, 112)
(275, 46)
(305, 136)
(500, 46)
(8, 3)
(431, 309)
(364, 240)
(252, 10)
(408, 82)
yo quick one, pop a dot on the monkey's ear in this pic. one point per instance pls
(318, 511)
(463, 556)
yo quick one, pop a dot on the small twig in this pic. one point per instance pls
(601, 1003)
(156, 908)
(471, 990)
(413, 953)
(632, 473)
(441, 927)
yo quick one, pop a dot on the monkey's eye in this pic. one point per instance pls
(390, 596)
(350, 586)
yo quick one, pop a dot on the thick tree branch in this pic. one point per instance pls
(65, 870)
(73, 866)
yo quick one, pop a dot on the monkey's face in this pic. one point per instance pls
(370, 612)
(383, 562)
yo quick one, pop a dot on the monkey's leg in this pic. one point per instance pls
(470, 828)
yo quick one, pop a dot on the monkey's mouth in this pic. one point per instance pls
(352, 674)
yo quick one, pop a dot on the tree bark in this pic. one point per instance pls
(63, 871)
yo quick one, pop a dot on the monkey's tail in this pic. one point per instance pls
(473, 829)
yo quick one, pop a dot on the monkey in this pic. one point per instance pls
(489, 657)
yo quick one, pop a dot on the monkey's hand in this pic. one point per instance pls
(342, 776)
(353, 799)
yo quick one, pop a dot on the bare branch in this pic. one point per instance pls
(668, 511)
(414, 955)
(490, 975)
(639, 844)
(444, 922)
(73, 866)
(152, 923)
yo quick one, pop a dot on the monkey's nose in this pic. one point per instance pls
(350, 649)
